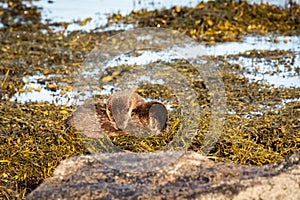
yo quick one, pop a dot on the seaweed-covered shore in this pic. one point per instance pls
(33, 139)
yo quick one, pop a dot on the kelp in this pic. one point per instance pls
(219, 21)
(260, 128)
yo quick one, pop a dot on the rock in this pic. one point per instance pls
(168, 175)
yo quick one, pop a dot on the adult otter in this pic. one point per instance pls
(124, 112)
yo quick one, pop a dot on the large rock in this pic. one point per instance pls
(188, 176)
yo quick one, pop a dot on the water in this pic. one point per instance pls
(40, 93)
(98, 10)
(256, 43)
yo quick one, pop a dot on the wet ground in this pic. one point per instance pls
(255, 49)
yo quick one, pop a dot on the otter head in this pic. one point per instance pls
(152, 116)
(119, 107)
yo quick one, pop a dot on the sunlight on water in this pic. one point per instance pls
(98, 10)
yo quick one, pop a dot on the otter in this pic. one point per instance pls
(124, 112)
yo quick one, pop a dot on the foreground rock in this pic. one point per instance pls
(189, 176)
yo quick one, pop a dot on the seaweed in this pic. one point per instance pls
(259, 128)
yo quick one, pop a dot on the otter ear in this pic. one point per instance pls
(158, 116)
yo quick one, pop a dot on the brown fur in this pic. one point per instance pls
(96, 119)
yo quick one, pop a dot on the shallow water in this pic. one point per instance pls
(283, 79)
(98, 10)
